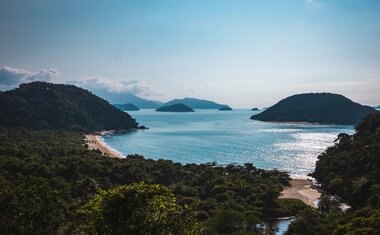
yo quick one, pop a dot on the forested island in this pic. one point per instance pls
(323, 108)
(127, 107)
(51, 183)
(175, 108)
(195, 103)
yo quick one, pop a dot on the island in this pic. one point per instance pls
(127, 107)
(322, 108)
(175, 108)
(196, 103)
(225, 108)
(254, 109)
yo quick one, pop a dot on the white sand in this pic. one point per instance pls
(301, 189)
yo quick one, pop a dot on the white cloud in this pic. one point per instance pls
(12, 77)
(102, 84)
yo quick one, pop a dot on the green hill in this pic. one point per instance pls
(175, 108)
(41, 105)
(127, 107)
(324, 108)
(351, 168)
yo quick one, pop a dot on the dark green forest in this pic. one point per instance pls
(351, 170)
(41, 105)
(175, 108)
(48, 176)
(324, 108)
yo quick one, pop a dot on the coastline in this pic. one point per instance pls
(94, 141)
(301, 189)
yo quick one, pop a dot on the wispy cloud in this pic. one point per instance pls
(134, 86)
(12, 77)
(187, 88)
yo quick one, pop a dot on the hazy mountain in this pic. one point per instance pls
(124, 98)
(41, 105)
(175, 108)
(323, 108)
(195, 103)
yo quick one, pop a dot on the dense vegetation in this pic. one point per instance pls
(324, 108)
(127, 107)
(41, 105)
(175, 108)
(46, 183)
(225, 108)
(351, 170)
(195, 103)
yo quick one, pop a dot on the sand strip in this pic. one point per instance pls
(95, 142)
(301, 189)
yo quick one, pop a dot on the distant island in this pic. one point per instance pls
(42, 105)
(254, 109)
(323, 108)
(225, 108)
(127, 107)
(195, 103)
(175, 108)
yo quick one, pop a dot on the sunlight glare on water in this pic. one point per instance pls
(227, 137)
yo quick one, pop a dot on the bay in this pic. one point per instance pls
(227, 137)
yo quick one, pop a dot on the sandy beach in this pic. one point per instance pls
(95, 142)
(301, 189)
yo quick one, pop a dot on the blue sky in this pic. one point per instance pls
(242, 53)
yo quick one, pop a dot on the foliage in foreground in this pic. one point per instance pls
(137, 209)
(71, 174)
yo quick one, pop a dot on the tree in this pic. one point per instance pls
(138, 208)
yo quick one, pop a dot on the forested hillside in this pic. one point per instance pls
(46, 183)
(41, 105)
(351, 170)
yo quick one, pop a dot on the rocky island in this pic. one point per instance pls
(175, 108)
(323, 108)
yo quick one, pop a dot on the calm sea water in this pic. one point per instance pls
(227, 137)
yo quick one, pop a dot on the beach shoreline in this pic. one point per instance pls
(94, 141)
(301, 189)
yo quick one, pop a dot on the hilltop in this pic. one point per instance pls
(127, 107)
(175, 108)
(324, 108)
(195, 103)
(41, 105)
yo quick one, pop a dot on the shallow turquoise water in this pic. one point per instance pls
(227, 137)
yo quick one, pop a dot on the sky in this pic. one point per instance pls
(244, 53)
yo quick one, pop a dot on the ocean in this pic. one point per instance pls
(227, 137)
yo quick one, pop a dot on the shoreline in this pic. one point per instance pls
(94, 141)
(301, 189)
